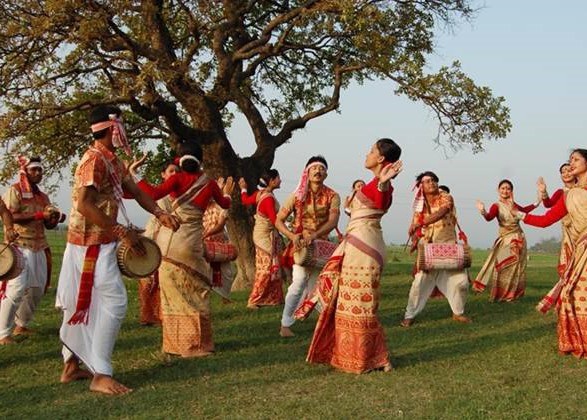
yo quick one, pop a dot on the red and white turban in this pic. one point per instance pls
(24, 163)
(119, 139)
(302, 189)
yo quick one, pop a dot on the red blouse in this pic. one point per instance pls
(557, 212)
(380, 199)
(266, 206)
(494, 210)
(180, 182)
(551, 201)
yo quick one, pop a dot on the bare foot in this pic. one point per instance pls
(252, 306)
(461, 318)
(407, 322)
(72, 372)
(108, 385)
(7, 340)
(195, 354)
(387, 367)
(22, 331)
(285, 332)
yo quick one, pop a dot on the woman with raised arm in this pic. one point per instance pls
(185, 277)
(348, 335)
(268, 286)
(571, 296)
(566, 244)
(506, 263)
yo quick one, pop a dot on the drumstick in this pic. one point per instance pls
(4, 249)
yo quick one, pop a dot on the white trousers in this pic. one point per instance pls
(454, 285)
(303, 280)
(24, 292)
(92, 343)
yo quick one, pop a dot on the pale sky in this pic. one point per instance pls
(531, 52)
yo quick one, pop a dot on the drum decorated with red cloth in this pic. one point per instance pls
(11, 262)
(316, 254)
(444, 256)
(219, 251)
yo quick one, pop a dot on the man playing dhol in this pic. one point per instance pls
(316, 211)
(435, 221)
(90, 291)
(31, 215)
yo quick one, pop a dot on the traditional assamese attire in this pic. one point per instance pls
(267, 288)
(148, 288)
(348, 334)
(453, 284)
(571, 293)
(506, 263)
(91, 292)
(185, 277)
(310, 213)
(222, 273)
(566, 251)
(20, 296)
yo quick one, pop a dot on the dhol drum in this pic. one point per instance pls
(444, 256)
(139, 266)
(219, 251)
(11, 262)
(316, 254)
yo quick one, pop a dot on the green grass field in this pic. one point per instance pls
(505, 364)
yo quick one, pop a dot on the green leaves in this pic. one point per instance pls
(185, 68)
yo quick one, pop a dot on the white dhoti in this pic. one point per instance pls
(92, 343)
(303, 280)
(24, 292)
(454, 285)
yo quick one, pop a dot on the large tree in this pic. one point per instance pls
(183, 69)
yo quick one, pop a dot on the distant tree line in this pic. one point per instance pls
(547, 245)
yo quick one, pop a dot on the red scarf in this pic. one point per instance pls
(84, 297)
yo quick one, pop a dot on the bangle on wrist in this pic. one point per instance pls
(38, 215)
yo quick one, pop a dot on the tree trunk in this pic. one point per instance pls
(240, 231)
(217, 162)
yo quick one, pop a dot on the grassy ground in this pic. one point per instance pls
(505, 364)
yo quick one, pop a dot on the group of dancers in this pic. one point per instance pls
(190, 209)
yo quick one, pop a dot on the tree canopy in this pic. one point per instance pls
(184, 68)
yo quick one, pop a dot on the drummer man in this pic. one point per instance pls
(434, 221)
(31, 213)
(316, 209)
(90, 291)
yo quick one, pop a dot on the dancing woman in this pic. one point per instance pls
(566, 244)
(185, 277)
(571, 293)
(506, 263)
(348, 334)
(267, 289)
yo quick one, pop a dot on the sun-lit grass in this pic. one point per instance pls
(505, 364)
